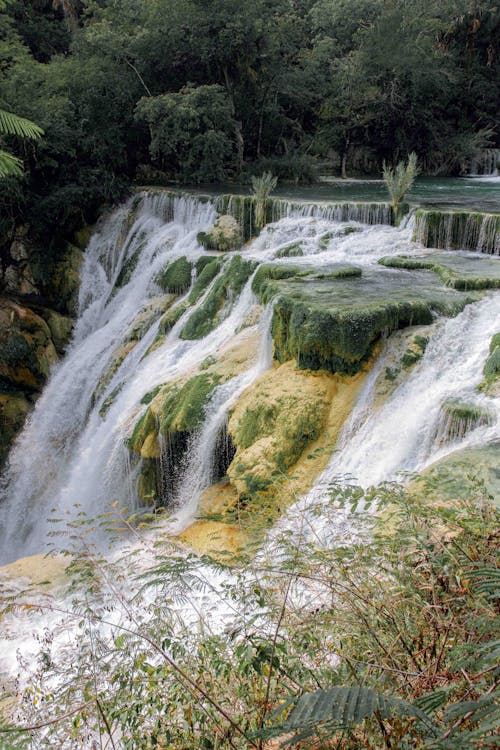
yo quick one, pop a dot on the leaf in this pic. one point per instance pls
(12, 124)
(9, 165)
(345, 706)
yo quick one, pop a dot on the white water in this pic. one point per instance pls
(70, 455)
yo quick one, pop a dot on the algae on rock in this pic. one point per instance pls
(225, 289)
(161, 435)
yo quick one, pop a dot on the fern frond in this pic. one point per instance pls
(10, 166)
(486, 581)
(342, 707)
(12, 124)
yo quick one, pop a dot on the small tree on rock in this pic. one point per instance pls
(262, 187)
(400, 180)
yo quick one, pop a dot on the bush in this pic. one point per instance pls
(401, 614)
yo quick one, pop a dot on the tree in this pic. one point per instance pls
(400, 180)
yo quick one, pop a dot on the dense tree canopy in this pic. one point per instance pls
(210, 90)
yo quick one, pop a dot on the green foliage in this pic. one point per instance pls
(190, 132)
(262, 188)
(388, 639)
(400, 180)
(11, 124)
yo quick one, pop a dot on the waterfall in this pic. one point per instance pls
(68, 453)
(458, 230)
(484, 164)
(198, 474)
(379, 444)
(73, 454)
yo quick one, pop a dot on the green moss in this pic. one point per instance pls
(332, 322)
(184, 408)
(421, 342)
(148, 397)
(229, 285)
(14, 408)
(410, 357)
(127, 269)
(206, 274)
(458, 418)
(149, 484)
(391, 374)
(146, 425)
(176, 277)
(291, 251)
(255, 423)
(204, 260)
(340, 273)
(266, 273)
(451, 277)
(491, 369)
(173, 413)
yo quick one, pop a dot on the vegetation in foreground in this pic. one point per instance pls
(382, 634)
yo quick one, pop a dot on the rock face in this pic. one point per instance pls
(41, 295)
(29, 346)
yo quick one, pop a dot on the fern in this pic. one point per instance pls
(486, 581)
(343, 707)
(11, 124)
(9, 165)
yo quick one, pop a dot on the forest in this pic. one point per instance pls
(201, 91)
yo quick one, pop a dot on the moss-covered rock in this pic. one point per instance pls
(225, 289)
(206, 272)
(458, 418)
(333, 322)
(14, 408)
(161, 435)
(293, 250)
(457, 273)
(225, 235)
(63, 281)
(273, 424)
(61, 327)
(27, 351)
(176, 278)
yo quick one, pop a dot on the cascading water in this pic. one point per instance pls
(73, 450)
(485, 164)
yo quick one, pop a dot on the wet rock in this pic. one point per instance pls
(225, 235)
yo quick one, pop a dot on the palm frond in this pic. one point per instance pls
(12, 124)
(9, 165)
